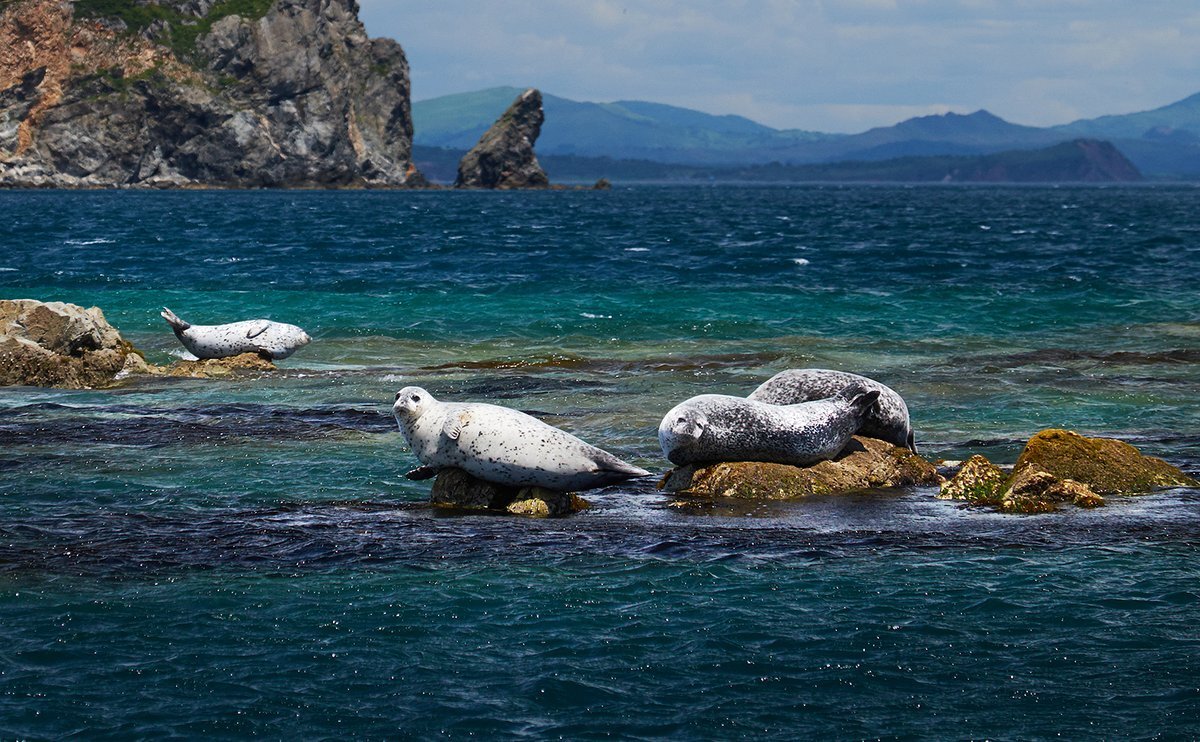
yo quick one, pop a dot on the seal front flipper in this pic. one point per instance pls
(422, 472)
(454, 424)
(257, 328)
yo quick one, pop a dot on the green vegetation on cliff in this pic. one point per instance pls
(182, 28)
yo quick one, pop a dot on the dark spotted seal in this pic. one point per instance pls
(263, 336)
(887, 420)
(501, 445)
(715, 427)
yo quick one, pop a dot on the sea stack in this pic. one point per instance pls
(504, 156)
(180, 93)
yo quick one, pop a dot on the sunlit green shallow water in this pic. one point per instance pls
(222, 558)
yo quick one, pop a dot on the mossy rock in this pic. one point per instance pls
(216, 368)
(979, 482)
(455, 488)
(865, 463)
(1105, 465)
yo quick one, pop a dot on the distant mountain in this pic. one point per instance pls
(1163, 143)
(626, 129)
(1078, 161)
(1182, 115)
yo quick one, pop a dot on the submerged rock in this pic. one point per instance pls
(61, 345)
(214, 368)
(504, 156)
(455, 488)
(865, 463)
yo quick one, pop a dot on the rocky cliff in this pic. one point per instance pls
(232, 93)
(504, 156)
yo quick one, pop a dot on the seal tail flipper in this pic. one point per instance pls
(617, 469)
(174, 321)
(911, 441)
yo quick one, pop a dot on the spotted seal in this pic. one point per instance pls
(887, 420)
(276, 339)
(501, 445)
(717, 427)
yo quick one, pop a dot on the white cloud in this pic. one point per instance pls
(834, 65)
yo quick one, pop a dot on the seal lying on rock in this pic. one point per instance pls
(717, 427)
(501, 445)
(274, 339)
(887, 420)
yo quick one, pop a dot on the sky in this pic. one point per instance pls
(820, 65)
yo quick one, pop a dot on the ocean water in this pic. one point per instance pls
(224, 558)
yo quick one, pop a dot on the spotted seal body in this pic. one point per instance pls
(887, 420)
(715, 427)
(501, 446)
(276, 339)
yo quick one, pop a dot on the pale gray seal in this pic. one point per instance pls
(887, 420)
(276, 339)
(501, 445)
(716, 427)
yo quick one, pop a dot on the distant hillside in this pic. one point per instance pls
(627, 129)
(1163, 143)
(1078, 161)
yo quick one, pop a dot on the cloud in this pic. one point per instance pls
(841, 65)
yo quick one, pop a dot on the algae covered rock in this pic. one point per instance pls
(1061, 466)
(865, 463)
(1105, 465)
(455, 488)
(215, 368)
(979, 481)
(61, 345)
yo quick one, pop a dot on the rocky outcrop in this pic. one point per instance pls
(1060, 466)
(504, 156)
(217, 368)
(188, 93)
(865, 463)
(61, 345)
(454, 488)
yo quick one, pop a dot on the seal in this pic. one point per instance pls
(716, 427)
(274, 339)
(501, 445)
(887, 420)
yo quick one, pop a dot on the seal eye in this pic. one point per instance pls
(415, 397)
(397, 396)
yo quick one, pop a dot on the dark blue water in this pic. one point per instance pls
(231, 557)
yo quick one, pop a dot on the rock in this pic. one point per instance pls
(1106, 466)
(214, 368)
(455, 488)
(978, 481)
(1026, 492)
(294, 94)
(61, 345)
(865, 463)
(504, 156)
(602, 184)
(537, 502)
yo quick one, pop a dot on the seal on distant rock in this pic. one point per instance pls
(887, 420)
(501, 445)
(262, 336)
(712, 428)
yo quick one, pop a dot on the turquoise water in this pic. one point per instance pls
(223, 558)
